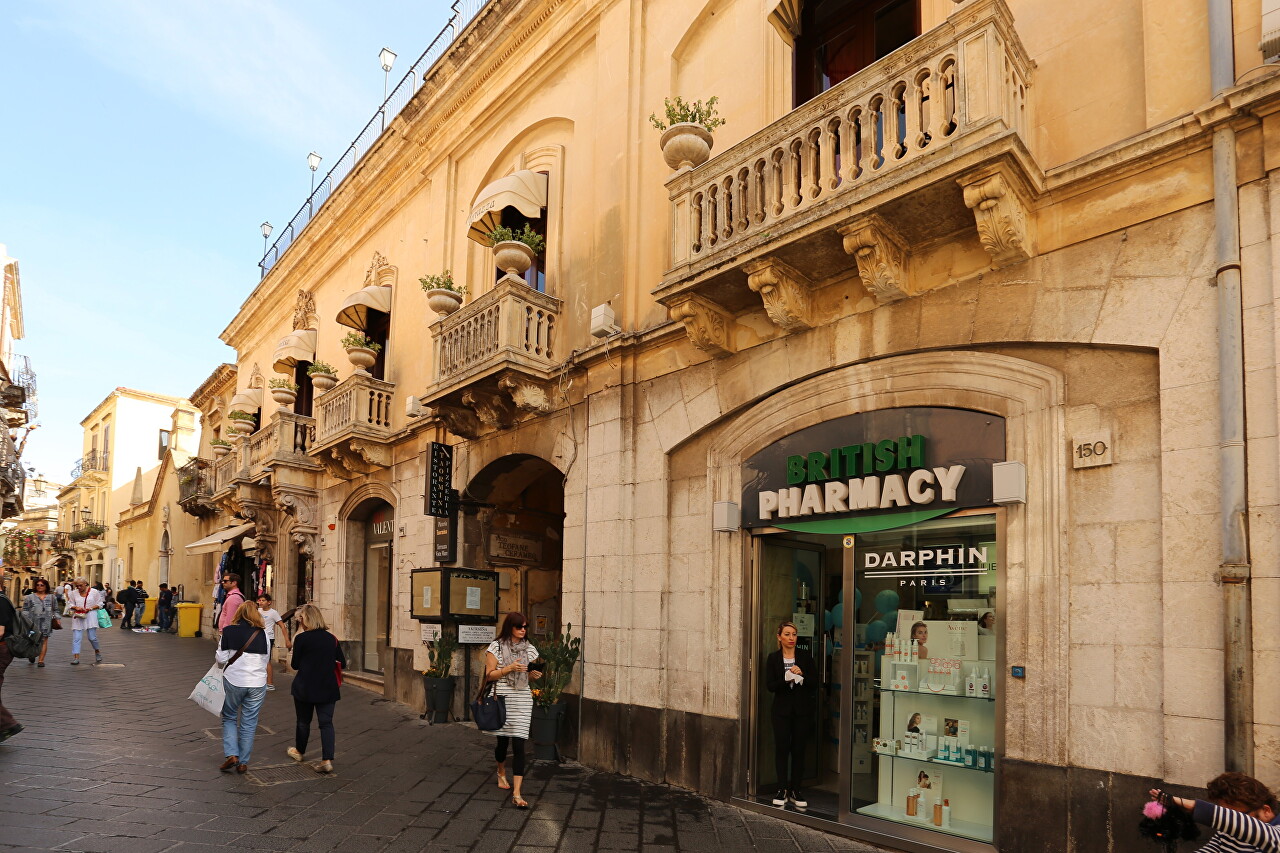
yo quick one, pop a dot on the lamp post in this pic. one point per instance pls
(313, 163)
(388, 58)
(266, 234)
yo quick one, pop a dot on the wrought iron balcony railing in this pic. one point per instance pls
(88, 529)
(91, 463)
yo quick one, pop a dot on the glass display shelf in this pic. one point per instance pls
(962, 828)
(891, 691)
(935, 761)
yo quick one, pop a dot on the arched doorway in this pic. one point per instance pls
(370, 544)
(517, 502)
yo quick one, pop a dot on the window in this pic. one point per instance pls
(106, 444)
(536, 275)
(838, 38)
(164, 444)
(378, 330)
(306, 393)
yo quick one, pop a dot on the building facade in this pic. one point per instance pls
(959, 354)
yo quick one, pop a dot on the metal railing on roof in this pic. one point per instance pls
(463, 12)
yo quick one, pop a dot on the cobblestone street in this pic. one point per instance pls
(114, 758)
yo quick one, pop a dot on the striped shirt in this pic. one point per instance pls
(1236, 831)
(519, 702)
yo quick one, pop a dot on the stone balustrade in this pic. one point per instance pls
(512, 322)
(285, 440)
(353, 426)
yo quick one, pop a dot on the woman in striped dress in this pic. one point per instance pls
(507, 662)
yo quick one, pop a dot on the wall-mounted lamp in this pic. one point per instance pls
(726, 517)
(1008, 483)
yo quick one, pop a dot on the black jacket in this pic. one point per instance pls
(788, 697)
(126, 596)
(314, 654)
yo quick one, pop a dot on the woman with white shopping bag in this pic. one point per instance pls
(85, 603)
(243, 652)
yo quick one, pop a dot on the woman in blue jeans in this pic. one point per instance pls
(243, 654)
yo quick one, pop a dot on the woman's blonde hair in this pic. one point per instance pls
(248, 612)
(311, 618)
(782, 625)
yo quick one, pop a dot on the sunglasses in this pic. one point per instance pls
(519, 627)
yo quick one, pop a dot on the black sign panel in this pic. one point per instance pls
(440, 481)
(874, 470)
(446, 537)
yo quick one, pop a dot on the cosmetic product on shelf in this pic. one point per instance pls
(946, 814)
(984, 684)
(937, 813)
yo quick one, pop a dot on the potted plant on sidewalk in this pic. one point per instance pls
(361, 350)
(443, 295)
(323, 376)
(437, 678)
(686, 134)
(556, 662)
(515, 251)
(220, 447)
(283, 391)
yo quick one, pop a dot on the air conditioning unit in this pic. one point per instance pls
(413, 408)
(602, 321)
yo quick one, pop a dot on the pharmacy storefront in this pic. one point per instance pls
(878, 536)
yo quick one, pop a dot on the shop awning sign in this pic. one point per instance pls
(874, 471)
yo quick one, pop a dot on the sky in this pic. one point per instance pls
(145, 142)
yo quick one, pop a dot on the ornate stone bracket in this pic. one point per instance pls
(492, 408)
(528, 394)
(881, 255)
(787, 293)
(1002, 213)
(708, 325)
(299, 504)
(459, 421)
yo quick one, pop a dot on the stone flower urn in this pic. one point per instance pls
(685, 145)
(323, 381)
(221, 450)
(241, 426)
(284, 396)
(361, 358)
(444, 302)
(513, 257)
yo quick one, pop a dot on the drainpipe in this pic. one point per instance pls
(1235, 570)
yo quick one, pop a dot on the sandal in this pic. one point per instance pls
(519, 802)
(503, 783)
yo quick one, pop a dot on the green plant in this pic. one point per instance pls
(528, 236)
(238, 415)
(219, 442)
(88, 531)
(444, 281)
(558, 659)
(681, 112)
(21, 548)
(353, 340)
(283, 383)
(440, 652)
(321, 367)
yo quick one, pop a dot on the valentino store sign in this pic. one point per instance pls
(873, 471)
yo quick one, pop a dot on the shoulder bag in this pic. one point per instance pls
(489, 710)
(337, 664)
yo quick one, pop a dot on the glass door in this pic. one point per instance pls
(377, 605)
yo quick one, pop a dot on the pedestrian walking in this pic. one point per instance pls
(126, 599)
(507, 662)
(270, 619)
(41, 605)
(85, 602)
(791, 675)
(9, 726)
(164, 607)
(1243, 812)
(139, 605)
(233, 598)
(318, 658)
(243, 653)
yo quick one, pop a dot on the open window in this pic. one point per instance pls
(368, 310)
(514, 201)
(838, 38)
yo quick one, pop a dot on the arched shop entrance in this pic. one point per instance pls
(370, 543)
(517, 506)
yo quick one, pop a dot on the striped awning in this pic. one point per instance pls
(355, 310)
(526, 191)
(299, 346)
(247, 401)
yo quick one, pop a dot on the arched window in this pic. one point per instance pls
(838, 38)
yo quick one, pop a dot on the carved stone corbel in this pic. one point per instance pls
(374, 454)
(528, 394)
(881, 255)
(787, 293)
(459, 421)
(708, 325)
(335, 465)
(306, 542)
(493, 409)
(1002, 214)
(298, 504)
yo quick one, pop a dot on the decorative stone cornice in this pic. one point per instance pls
(881, 255)
(304, 311)
(528, 394)
(708, 325)
(787, 293)
(492, 408)
(1002, 214)
(380, 272)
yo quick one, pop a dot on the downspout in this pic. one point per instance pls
(1235, 570)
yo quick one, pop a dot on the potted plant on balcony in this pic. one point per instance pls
(443, 296)
(556, 663)
(514, 251)
(323, 376)
(437, 678)
(686, 134)
(241, 422)
(361, 350)
(220, 446)
(283, 391)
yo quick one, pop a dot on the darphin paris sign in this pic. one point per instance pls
(873, 471)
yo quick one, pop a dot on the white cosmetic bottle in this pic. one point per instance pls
(915, 651)
(984, 684)
(971, 684)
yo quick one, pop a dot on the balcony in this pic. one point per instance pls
(88, 534)
(195, 488)
(283, 442)
(923, 145)
(93, 468)
(494, 358)
(353, 426)
(13, 480)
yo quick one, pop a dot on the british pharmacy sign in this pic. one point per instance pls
(873, 471)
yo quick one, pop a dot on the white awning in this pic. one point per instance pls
(214, 543)
(52, 562)
(247, 401)
(526, 191)
(300, 346)
(355, 311)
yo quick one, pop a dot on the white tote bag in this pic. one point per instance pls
(209, 693)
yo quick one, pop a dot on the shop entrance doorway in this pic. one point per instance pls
(370, 542)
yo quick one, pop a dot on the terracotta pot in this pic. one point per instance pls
(686, 145)
(513, 257)
(323, 381)
(362, 358)
(444, 302)
(284, 396)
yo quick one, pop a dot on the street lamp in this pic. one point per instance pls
(266, 233)
(84, 514)
(388, 58)
(313, 163)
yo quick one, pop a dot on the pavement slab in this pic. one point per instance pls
(115, 758)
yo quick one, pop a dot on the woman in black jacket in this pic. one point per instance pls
(792, 678)
(317, 656)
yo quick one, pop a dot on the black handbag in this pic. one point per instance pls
(489, 710)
